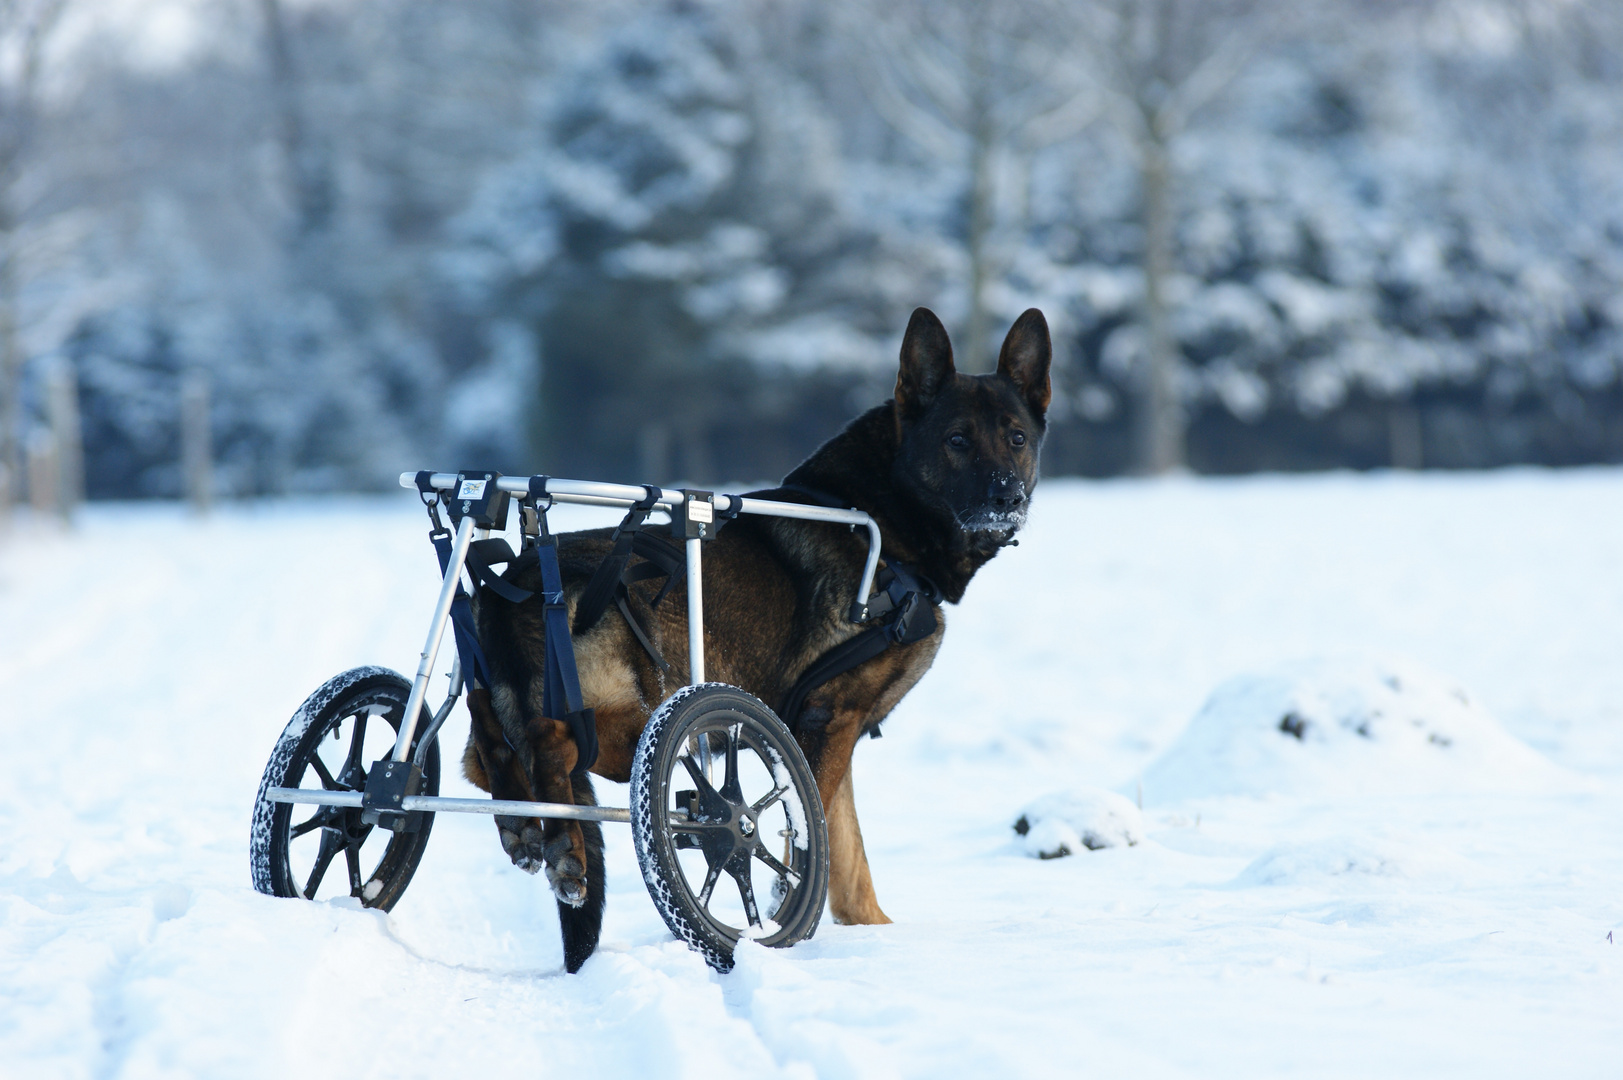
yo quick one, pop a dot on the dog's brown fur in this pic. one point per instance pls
(945, 468)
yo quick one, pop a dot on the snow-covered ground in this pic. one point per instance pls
(1324, 901)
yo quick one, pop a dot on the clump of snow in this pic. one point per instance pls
(1345, 727)
(1064, 822)
(1318, 861)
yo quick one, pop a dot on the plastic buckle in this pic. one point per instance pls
(532, 515)
(904, 617)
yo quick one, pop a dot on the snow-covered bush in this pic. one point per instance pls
(1344, 727)
(1066, 822)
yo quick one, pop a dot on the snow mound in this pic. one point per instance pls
(1345, 727)
(1065, 822)
(1321, 861)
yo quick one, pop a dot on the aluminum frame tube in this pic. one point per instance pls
(802, 512)
(695, 611)
(440, 805)
(592, 493)
(436, 632)
(561, 489)
(445, 708)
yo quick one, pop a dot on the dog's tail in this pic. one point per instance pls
(583, 925)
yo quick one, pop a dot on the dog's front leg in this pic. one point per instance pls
(850, 889)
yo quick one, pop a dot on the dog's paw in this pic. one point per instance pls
(524, 843)
(566, 873)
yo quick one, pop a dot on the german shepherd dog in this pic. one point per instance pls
(946, 468)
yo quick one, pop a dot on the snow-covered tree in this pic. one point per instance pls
(648, 238)
(675, 228)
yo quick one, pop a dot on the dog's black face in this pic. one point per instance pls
(967, 444)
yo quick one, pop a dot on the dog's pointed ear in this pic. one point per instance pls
(1026, 356)
(926, 364)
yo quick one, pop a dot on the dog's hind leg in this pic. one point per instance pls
(582, 923)
(851, 895)
(571, 851)
(562, 846)
(491, 764)
(486, 760)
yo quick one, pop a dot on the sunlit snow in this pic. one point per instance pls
(1334, 904)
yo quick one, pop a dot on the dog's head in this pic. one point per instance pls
(967, 444)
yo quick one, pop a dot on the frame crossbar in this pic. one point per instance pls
(593, 493)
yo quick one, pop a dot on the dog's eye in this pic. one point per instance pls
(957, 441)
(1018, 438)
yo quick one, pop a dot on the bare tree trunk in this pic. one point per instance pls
(309, 172)
(982, 132)
(1404, 436)
(44, 483)
(980, 229)
(16, 131)
(1159, 431)
(11, 368)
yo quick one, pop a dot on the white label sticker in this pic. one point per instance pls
(471, 489)
(700, 511)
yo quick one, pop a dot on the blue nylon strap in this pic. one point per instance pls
(561, 685)
(474, 664)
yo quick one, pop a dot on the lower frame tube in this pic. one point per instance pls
(440, 805)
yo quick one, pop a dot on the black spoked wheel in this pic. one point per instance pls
(321, 852)
(727, 823)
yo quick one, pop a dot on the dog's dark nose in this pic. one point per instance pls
(1007, 493)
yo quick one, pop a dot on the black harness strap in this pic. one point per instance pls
(637, 630)
(600, 590)
(482, 556)
(837, 661)
(904, 608)
(661, 558)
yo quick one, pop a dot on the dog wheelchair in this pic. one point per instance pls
(719, 786)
